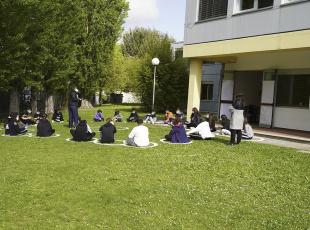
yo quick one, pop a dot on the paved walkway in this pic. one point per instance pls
(303, 147)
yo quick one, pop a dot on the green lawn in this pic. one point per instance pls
(54, 184)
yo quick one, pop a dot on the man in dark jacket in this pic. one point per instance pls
(73, 104)
(107, 132)
(44, 128)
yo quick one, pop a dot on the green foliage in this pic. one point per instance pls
(172, 80)
(52, 45)
(50, 183)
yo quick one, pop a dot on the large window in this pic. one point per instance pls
(212, 9)
(206, 91)
(241, 5)
(293, 90)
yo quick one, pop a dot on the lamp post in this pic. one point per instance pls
(155, 63)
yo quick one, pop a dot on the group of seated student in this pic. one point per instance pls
(82, 132)
(26, 117)
(99, 116)
(247, 132)
(202, 131)
(13, 126)
(133, 116)
(150, 118)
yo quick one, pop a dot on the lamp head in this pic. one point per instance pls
(155, 61)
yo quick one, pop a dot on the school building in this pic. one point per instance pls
(264, 49)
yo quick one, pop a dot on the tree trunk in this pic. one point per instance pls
(34, 102)
(49, 104)
(14, 101)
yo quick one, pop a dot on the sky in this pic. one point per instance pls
(167, 16)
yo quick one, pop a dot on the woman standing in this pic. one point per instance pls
(237, 119)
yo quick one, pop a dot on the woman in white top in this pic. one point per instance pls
(139, 135)
(247, 132)
(202, 131)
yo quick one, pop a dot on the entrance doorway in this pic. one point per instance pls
(249, 83)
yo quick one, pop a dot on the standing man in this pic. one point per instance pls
(237, 119)
(73, 104)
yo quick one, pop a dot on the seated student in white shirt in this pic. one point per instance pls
(202, 131)
(247, 132)
(139, 135)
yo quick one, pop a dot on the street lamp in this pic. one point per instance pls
(155, 63)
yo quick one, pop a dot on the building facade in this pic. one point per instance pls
(264, 46)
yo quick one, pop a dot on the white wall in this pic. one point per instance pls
(130, 98)
(292, 118)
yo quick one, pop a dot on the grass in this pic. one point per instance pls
(54, 184)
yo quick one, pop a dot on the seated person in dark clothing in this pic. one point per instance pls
(211, 119)
(16, 127)
(225, 125)
(107, 132)
(44, 128)
(133, 116)
(36, 117)
(195, 119)
(177, 133)
(82, 132)
(6, 124)
(57, 116)
(117, 116)
(150, 118)
(27, 118)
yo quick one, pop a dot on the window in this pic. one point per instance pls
(212, 9)
(288, 1)
(207, 91)
(241, 5)
(293, 90)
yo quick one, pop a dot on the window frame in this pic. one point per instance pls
(291, 92)
(207, 93)
(198, 20)
(237, 7)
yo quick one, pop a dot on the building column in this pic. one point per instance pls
(194, 87)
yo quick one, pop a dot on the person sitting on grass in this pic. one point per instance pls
(195, 119)
(168, 117)
(118, 117)
(139, 135)
(26, 118)
(16, 127)
(44, 127)
(107, 132)
(211, 119)
(202, 131)
(133, 116)
(247, 132)
(6, 124)
(36, 117)
(99, 116)
(225, 125)
(82, 132)
(177, 133)
(57, 116)
(150, 118)
(179, 114)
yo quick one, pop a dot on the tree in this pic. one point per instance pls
(172, 80)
